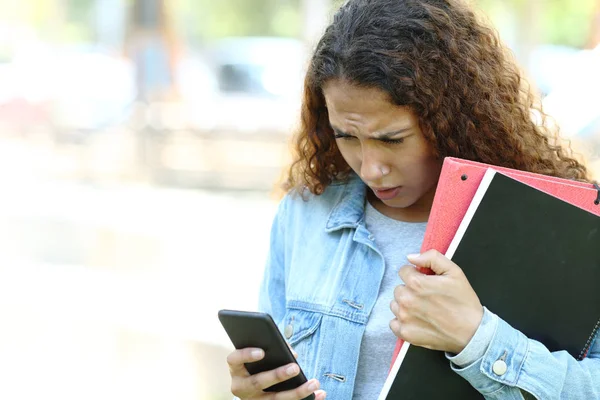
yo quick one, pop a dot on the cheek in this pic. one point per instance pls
(351, 154)
(430, 171)
(421, 170)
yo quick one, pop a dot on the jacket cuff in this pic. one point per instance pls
(480, 342)
(501, 363)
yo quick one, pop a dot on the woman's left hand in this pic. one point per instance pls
(439, 312)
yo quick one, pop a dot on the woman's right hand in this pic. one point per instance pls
(246, 386)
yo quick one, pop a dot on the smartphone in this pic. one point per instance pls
(256, 329)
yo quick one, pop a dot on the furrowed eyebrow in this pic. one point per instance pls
(384, 136)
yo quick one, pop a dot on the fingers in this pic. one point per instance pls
(395, 327)
(407, 332)
(244, 385)
(434, 260)
(251, 385)
(402, 317)
(301, 392)
(411, 277)
(394, 307)
(406, 297)
(238, 358)
(293, 351)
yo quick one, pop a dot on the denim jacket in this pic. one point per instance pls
(321, 281)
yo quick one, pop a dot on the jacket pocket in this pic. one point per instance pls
(301, 330)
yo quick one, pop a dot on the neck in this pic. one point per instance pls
(418, 212)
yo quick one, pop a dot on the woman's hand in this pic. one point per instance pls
(246, 386)
(439, 312)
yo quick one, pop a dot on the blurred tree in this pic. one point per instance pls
(567, 22)
(594, 35)
(152, 46)
(79, 10)
(76, 20)
(209, 19)
(560, 22)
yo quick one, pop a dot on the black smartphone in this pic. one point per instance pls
(255, 329)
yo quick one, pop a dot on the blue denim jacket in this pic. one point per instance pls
(321, 281)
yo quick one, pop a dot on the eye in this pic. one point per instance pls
(345, 137)
(393, 141)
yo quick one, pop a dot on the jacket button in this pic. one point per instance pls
(288, 331)
(499, 367)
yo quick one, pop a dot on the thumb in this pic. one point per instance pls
(433, 260)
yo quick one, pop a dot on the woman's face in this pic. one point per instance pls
(384, 145)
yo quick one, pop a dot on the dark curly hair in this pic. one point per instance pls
(437, 58)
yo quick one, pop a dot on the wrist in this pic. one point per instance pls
(470, 328)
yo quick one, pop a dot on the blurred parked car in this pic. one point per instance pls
(250, 85)
(94, 89)
(68, 89)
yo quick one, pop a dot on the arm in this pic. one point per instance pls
(272, 290)
(531, 369)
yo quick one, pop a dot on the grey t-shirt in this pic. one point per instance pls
(395, 240)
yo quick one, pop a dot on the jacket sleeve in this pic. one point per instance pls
(516, 367)
(272, 289)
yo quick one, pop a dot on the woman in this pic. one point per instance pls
(393, 87)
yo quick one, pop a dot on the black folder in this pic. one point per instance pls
(534, 260)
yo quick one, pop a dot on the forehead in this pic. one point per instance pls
(347, 102)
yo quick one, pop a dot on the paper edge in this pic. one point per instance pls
(464, 224)
(393, 372)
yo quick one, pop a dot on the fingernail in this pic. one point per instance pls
(313, 386)
(257, 354)
(412, 256)
(292, 370)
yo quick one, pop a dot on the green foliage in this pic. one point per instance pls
(79, 10)
(567, 22)
(560, 22)
(564, 22)
(209, 19)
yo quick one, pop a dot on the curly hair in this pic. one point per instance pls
(437, 58)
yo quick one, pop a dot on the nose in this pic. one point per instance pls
(372, 168)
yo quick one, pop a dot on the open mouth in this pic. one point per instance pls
(387, 193)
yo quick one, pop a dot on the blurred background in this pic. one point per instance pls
(139, 144)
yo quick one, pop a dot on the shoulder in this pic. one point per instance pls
(301, 204)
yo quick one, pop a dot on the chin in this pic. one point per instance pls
(398, 202)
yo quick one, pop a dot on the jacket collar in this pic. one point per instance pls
(350, 208)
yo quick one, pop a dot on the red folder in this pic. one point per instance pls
(457, 185)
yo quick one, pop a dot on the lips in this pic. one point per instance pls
(386, 193)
